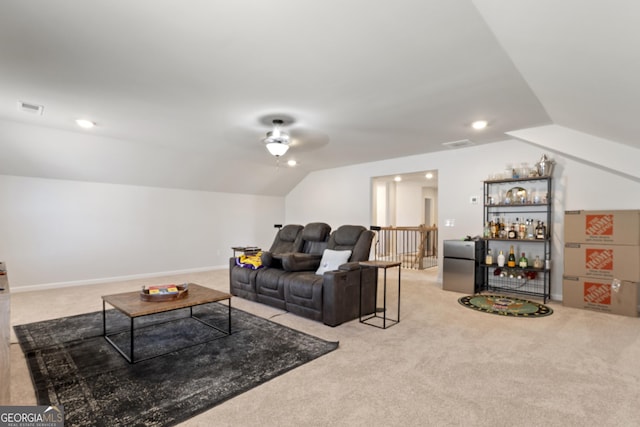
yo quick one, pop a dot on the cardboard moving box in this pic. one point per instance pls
(602, 261)
(620, 227)
(600, 295)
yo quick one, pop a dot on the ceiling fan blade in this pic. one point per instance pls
(304, 140)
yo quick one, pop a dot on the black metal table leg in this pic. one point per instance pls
(384, 301)
(131, 355)
(398, 318)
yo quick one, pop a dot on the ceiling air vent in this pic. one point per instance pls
(28, 107)
(458, 144)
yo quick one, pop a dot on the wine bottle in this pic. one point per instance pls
(511, 261)
(523, 262)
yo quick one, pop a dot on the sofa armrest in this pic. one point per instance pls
(341, 293)
(267, 258)
(301, 261)
(272, 260)
(349, 266)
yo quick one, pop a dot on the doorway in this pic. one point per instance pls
(405, 212)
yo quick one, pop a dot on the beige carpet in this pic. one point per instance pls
(443, 364)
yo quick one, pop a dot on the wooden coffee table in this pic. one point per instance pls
(130, 304)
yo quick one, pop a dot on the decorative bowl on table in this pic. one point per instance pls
(164, 292)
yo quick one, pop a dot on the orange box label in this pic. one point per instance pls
(597, 293)
(599, 259)
(598, 225)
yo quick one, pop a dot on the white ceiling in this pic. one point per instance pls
(182, 91)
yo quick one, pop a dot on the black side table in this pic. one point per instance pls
(384, 265)
(247, 250)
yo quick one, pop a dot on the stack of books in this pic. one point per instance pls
(163, 289)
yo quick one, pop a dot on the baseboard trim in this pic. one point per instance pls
(57, 285)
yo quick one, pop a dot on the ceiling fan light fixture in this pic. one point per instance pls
(277, 149)
(277, 136)
(277, 140)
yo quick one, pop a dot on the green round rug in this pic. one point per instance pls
(505, 306)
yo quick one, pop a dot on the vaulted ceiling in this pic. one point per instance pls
(182, 91)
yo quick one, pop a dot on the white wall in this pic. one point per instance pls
(57, 233)
(343, 195)
(379, 204)
(409, 204)
(431, 193)
(335, 196)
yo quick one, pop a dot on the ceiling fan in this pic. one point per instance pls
(279, 133)
(286, 133)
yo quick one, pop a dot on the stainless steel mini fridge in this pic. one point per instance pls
(461, 271)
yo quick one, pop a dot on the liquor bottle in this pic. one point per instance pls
(489, 258)
(511, 261)
(501, 259)
(537, 263)
(523, 262)
(530, 230)
(492, 230)
(522, 231)
(486, 233)
(512, 233)
(541, 231)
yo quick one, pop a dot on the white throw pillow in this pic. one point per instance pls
(331, 260)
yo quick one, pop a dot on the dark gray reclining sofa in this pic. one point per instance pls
(288, 278)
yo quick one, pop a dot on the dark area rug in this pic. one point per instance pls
(505, 306)
(71, 364)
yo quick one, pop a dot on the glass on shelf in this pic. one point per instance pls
(506, 199)
(535, 196)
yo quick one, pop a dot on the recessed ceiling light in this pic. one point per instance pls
(86, 124)
(292, 163)
(479, 124)
(429, 175)
(397, 179)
